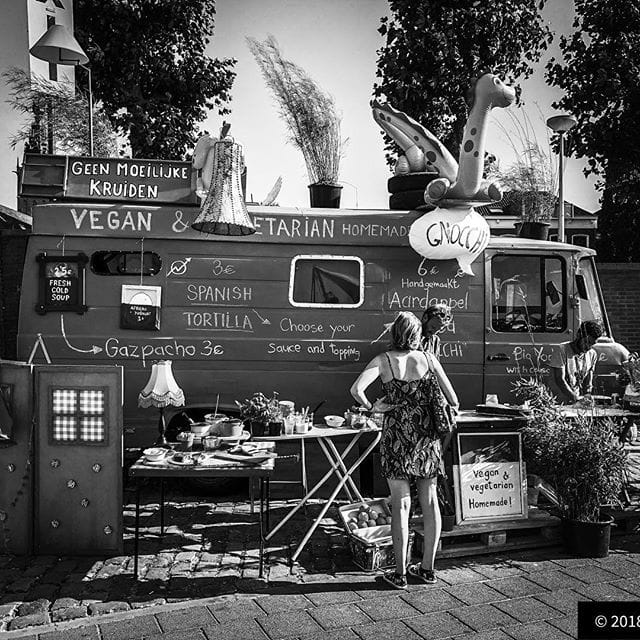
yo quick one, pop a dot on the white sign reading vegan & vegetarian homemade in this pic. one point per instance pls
(489, 480)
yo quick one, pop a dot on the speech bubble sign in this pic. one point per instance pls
(459, 233)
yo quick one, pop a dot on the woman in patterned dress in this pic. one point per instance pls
(410, 447)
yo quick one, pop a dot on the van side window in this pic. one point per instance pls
(527, 294)
(125, 263)
(326, 281)
(589, 296)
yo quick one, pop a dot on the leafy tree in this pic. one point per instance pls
(599, 75)
(59, 109)
(151, 71)
(434, 48)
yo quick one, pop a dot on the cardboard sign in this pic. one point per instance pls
(140, 307)
(61, 283)
(489, 481)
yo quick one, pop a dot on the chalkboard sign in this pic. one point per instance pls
(489, 479)
(61, 283)
(140, 307)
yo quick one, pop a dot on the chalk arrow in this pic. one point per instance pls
(263, 320)
(387, 327)
(94, 349)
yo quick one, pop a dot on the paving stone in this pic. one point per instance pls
(33, 620)
(515, 586)
(632, 585)
(336, 616)
(70, 613)
(456, 575)
(288, 624)
(431, 600)
(569, 624)
(605, 591)
(499, 569)
(564, 600)
(21, 585)
(88, 632)
(129, 628)
(590, 574)
(321, 598)
(187, 618)
(235, 609)
(7, 609)
(338, 634)
(389, 630)
(436, 625)
(284, 602)
(36, 606)
(619, 565)
(554, 580)
(536, 631)
(393, 608)
(572, 561)
(483, 617)
(476, 593)
(189, 634)
(239, 629)
(527, 609)
(111, 606)
(493, 634)
(64, 603)
(143, 604)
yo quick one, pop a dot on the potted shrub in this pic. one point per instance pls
(311, 117)
(259, 412)
(582, 458)
(529, 182)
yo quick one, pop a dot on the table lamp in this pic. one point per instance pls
(161, 391)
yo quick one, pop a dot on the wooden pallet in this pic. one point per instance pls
(626, 520)
(538, 530)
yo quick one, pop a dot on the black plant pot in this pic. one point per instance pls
(448, 523)
(275, 429)
(325, 196)
(257, 429)
(534, 230)
(587, 539)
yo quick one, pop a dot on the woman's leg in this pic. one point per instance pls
(400, 506)
(428, 496)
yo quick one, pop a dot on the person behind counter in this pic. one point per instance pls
(410, 447)
(573, 363)
(434, 320)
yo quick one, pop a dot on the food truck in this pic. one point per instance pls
(115, 274)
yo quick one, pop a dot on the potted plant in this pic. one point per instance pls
(530, 181)
(311, 117)
(583, 458)
(259, 412)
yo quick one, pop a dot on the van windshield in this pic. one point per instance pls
(527, 294)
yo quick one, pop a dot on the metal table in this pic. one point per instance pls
(337, 466)
(222, 469)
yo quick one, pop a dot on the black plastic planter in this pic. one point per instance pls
(587, 539)
(325, 196)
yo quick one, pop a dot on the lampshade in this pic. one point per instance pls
(161, 389)
(223, 211)
(58, 46)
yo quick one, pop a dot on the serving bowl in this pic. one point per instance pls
(154, 454)
(334, 421)
(200, 428)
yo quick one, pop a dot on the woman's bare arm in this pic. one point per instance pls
(443, 380)
(370, 374)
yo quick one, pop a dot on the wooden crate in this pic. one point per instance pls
(540, 529)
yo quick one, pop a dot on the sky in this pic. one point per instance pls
(336, 42)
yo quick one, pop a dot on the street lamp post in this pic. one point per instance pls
(58, 46)
(561, 124)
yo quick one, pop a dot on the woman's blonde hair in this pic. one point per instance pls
(406, 332)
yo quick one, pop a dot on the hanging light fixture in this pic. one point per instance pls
(58, 46)
(161, 391)
(224, 211)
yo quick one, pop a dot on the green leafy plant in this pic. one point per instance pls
(581, 456)
(309, 113)
(260, 408)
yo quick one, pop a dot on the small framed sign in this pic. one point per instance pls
(140, 307)
(61, 283)
(489, 480)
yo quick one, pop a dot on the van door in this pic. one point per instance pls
(527, 310)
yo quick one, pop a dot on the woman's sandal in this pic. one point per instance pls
(418, 571)
(395, 580)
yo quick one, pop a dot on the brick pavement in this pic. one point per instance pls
(201, 581)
